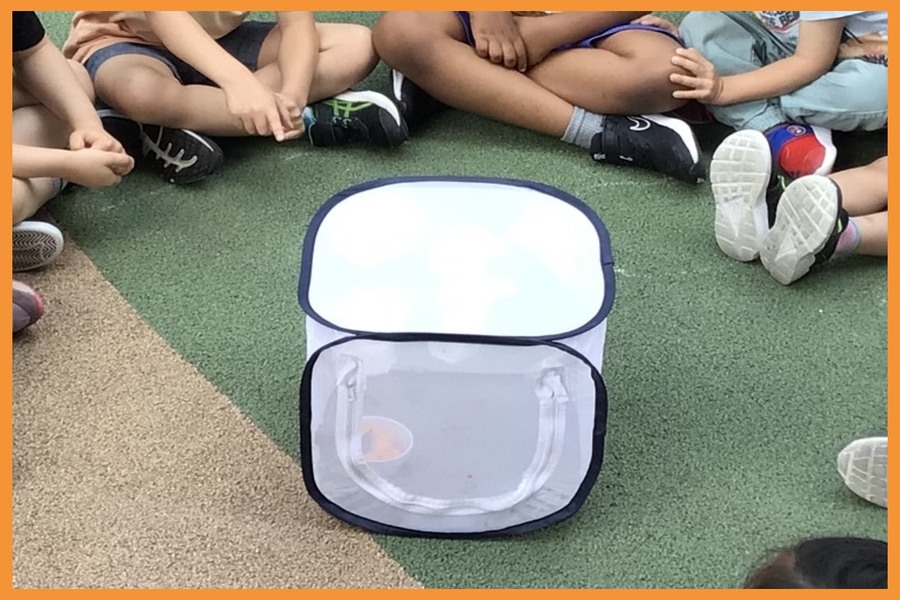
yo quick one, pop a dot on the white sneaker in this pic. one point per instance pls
(863, 467)
(740, 172)
(808, 224)
(35, 244)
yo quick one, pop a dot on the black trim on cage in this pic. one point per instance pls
(590, 477)
(609, 277)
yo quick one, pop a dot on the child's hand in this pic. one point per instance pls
(657, 22)
(705, 83)
(94, 168)
(94, 137)
(497, 39)
(535, 51)
(258, 109)
(293, 113)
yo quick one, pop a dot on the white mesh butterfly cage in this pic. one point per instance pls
(455, 334)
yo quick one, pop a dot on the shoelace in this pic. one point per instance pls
(348, 129)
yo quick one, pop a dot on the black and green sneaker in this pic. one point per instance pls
(808, 223)
(352, 117)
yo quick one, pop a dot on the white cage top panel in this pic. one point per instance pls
(457, 256)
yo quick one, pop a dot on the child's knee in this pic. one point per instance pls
(358, 37)
(399, 36)
(880, 165)
(357, 52)
(137, 93)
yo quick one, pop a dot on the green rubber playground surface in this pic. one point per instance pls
(730, 394)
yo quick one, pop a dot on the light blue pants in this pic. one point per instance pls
(852, 96)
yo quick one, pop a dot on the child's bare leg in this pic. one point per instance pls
(568, 96)
(346, 57)
(34, 125)
(864, 190)
(22, 97)
(625, 74)
(873, 234)
(864, 195)
(144, 89)
(429, 48)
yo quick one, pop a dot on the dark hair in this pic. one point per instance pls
(825, 563)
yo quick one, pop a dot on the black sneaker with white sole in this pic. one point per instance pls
(808, 223)
(180, 156)
(354, 117)
(415, 104)
(652, 142)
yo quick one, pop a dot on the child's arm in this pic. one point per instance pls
(817, 47)
(44, 73)
(90, 167)
(543, 34)
(247, 98)
(298, 54)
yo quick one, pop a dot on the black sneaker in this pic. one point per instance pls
(650, 142)
(808, 223)
(180, 156)
(125, 130)
(355, 117)
(416, 105)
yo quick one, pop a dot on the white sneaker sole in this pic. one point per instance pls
(740, 171)
(804, 221)
(35, 244)
(863, 467)
(375, 98)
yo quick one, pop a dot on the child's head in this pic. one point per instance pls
(825, 563)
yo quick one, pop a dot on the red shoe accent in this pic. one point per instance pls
(801, 156)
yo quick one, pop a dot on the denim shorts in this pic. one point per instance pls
(587, 42)
(244, 44)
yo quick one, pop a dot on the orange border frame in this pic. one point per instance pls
(6, 261)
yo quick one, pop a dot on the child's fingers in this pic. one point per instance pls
(118, 162)
(294, 133)
(481, 46)
(290, 112)
(692, 56)
(690, 53)
(495, 50)
(686, 64)
(689, 94)
(274, 125)
(685, 80)
(110, 144)
(510, 56)
(284, 113)
(521, 54)
(76, 141)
